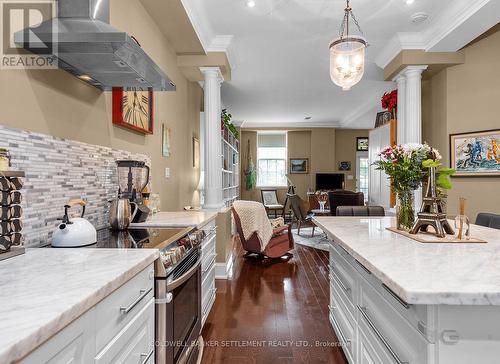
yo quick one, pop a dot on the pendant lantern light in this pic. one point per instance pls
(347, 54)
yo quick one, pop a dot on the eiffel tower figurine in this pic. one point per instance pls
(431, 212)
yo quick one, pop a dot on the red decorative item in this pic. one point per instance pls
(390, 100)
(133, 109)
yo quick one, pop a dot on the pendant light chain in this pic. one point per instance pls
(344, 27)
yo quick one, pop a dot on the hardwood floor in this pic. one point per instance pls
(273, 314)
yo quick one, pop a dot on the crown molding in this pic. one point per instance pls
(287, 125)
(449, 21)
(220, 43)
(203, 31)
(369, 106)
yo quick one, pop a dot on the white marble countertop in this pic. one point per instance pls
(45, 289)
(422, 273)
(177, 219)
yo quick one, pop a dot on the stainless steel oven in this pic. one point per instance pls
(177, 287)
(178, 312)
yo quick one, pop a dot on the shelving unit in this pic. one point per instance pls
(230, 167)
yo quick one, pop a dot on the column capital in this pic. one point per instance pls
(212, 72)
(414, 70)
(410, 71)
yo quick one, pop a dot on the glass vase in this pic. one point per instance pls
(322, 206)
(462, 227)
(405, 212)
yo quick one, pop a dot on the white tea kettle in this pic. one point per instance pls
(74, 232)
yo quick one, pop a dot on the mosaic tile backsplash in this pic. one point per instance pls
(58, 170)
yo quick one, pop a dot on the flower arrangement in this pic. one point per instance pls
(390, 102)
(407, 165)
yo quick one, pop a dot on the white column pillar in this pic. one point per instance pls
(212, 136)
(413, 112)
(401, 82)
(413, 116)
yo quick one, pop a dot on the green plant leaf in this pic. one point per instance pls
(429, 163)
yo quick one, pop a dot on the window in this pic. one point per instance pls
(363, 171)
(271, 159)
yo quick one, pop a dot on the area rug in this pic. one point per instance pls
(319, 241)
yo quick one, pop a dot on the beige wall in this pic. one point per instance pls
(466, 98)
(56, 103)
(324, 147)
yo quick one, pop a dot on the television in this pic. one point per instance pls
(329, 181)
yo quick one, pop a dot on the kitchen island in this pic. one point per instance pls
(60, 303)
(395, 300)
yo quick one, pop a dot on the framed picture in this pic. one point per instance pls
(165, 141)
(382, 118)
(133, 109)
(476, 154)
(196, 152)
(299, 166)
(362, 144)
(345, 166)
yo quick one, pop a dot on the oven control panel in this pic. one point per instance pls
(176, 251)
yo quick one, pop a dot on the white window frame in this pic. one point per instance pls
(285, 159)
(359, 156)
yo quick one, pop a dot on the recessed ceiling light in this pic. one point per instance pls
(251, 3)
(85, 77)
(409, 2)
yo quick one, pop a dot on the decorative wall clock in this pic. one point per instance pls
(133, 109)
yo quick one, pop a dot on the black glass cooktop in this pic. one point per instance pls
(147, 238)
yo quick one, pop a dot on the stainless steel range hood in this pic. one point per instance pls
(91, 49)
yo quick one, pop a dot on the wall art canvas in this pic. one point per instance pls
(196, 152)
(299, 166)
(476, 154)
(344, 166)
(165, 143)
(362, 144)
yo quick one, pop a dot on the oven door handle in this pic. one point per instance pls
(183, 278)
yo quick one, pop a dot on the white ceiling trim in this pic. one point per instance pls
(370, 105)
(203, 31)
(305, 125)
(444, 25)
(222, 43)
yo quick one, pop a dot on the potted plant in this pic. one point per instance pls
(226, 122)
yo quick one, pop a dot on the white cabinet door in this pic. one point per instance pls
(369, 353)
(75, 344)
(135, 343)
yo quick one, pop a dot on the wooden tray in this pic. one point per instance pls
(433, 239)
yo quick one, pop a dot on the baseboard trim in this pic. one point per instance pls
(224, 270)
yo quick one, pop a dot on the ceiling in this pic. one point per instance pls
(280, 60)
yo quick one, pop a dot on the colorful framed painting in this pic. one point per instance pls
(299, 166)
(476, 154)
(362, 144)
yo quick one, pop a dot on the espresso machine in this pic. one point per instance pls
(133, 176)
